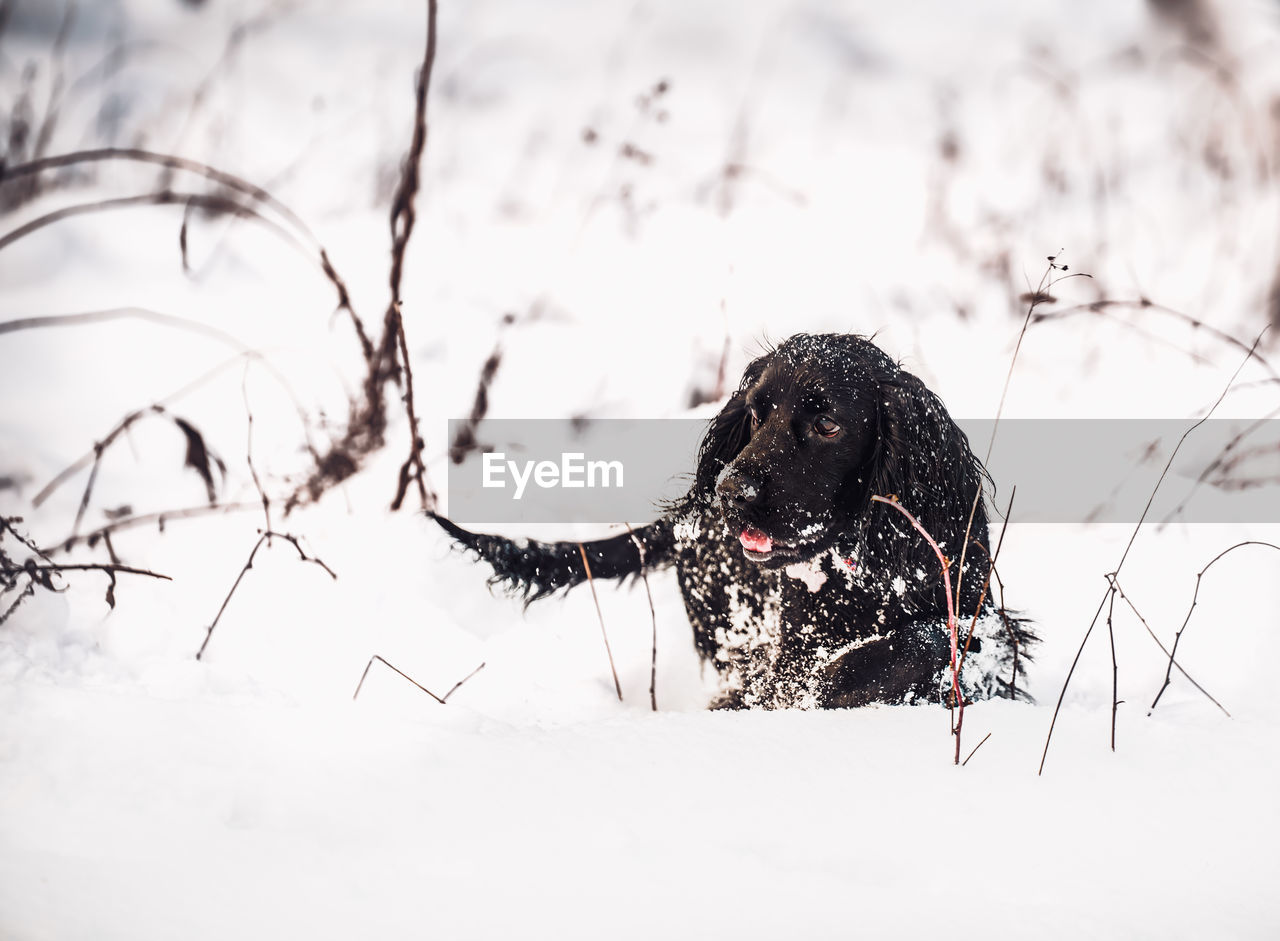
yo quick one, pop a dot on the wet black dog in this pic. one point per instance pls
(802, 591)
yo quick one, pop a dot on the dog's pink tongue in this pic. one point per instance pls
(755, 540)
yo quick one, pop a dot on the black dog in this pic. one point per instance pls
(802, 591)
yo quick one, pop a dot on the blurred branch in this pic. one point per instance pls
(1104, 307)
(122, 313)
(388, 360)
(403, 217)
(146, 519)
(222, 178)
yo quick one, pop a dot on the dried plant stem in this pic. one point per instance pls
(248, 448)
(1111, 589)
(122, 313)
(986, 587)
(222, 178)
(458, 685)
(398, 670)
(403, 217)
(389, 357)
(952, 624)
(59, 568)
(145, 519)
(1165, 650)
(265, 536)
(1038, 296)
(975, 749)
(653, 615)
(1105, 306)
(617, 685)
(1115, 668)
(1195, 597)
(442, 700)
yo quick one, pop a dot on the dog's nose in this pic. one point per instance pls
(741, 489)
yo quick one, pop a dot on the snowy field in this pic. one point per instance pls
(613, 194)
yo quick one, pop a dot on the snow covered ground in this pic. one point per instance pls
(631, 181)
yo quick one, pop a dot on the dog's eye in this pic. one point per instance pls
(825, 427)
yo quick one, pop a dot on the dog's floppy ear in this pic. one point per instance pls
(924, 459)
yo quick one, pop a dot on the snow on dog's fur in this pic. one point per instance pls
(801, 591)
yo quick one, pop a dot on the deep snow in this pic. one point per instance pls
(902, 171)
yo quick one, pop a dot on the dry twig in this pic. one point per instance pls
(653, 615)
(440, 699)
(952, 625)
(265, 536)
(600, 614)
(1111, 589)
(1195, 598)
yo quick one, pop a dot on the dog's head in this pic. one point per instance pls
(817, 426)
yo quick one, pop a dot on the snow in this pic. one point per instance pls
(144, 794)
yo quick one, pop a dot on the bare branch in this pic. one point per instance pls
(1195, 597)
(265, 536)
(975, 749)
(653, 615)
(145, 519)
(1165, 650)
(600, 614)
(1111, 576)
(952, 625)
(360, 685)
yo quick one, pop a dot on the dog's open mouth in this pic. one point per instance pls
(759, 546)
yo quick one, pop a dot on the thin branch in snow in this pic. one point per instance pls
(265, 536)
(1114, 574)
(600, 614)
(458, 685)
(986, 587)
(398, 670)
(953, 626)
(1038, 296)
(653, 614)
(26, 592)
(1195, 597)
(248, 450)
(1115, 668)
(975, 749)
(1165, 650)
(440, 699)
